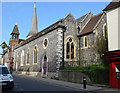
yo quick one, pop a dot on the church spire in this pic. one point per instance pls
(34, 28)
(34, 4)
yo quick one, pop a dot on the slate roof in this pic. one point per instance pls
(41, 33)
(15, 30)
(112, 5)
(91, 24)
(81, 18)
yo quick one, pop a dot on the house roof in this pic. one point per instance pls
(91, 24)
(112, 5)
(15, 30)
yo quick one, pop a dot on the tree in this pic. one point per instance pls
(101, 47)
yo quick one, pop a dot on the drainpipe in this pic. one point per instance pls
(79, 42)
(79, 51)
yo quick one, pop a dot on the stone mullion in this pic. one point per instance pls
(70, 51)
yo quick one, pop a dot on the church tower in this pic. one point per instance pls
(14, 40)
(15, 33)
(34, 28)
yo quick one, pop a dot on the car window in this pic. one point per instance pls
(4, 70)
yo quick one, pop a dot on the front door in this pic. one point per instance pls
(45, 66)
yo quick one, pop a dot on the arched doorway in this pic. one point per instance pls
(44, 72)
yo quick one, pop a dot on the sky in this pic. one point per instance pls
(20, 13)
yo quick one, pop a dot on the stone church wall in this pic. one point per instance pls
(50, 53)
(89, 56)
(71, 31)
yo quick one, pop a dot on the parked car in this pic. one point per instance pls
(6, 79)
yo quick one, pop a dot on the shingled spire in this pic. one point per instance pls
(34, 28)
(15, 30)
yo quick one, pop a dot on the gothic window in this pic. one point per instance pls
(35, 54)
(105, 30)
(70, 49)
(22, 57)
(85, 43)
(45, 43)
(78, 27)
(27, 55)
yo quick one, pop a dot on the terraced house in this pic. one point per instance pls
(67, 42)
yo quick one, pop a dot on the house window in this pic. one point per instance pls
(70, 49)
(85, 43)
(35, 54)
(45, 43)
(27, 57)
(22, 57)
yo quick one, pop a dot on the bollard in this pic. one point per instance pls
(84, 82)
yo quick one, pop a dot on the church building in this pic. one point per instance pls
(67, 42)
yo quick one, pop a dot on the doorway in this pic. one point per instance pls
(44, 66)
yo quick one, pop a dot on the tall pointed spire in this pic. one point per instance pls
(34, 28)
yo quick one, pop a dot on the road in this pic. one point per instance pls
(27, 83)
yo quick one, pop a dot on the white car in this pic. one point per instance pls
(6, 79)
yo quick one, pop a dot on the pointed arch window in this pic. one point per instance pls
(27, 55)
(70, 49)
(35, 54)
(22, 57)
(105, 31)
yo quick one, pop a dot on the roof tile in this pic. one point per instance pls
(91, 24)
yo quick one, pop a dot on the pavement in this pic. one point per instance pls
(91, 89)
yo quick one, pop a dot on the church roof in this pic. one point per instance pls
(91, 24)
(41, 33)
(34, 28)
(112, 5)
(81, 18)
(20, 40)
(15, 30)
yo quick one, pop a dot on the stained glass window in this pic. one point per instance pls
(45, 42)
(72, 51)
(68, 50)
